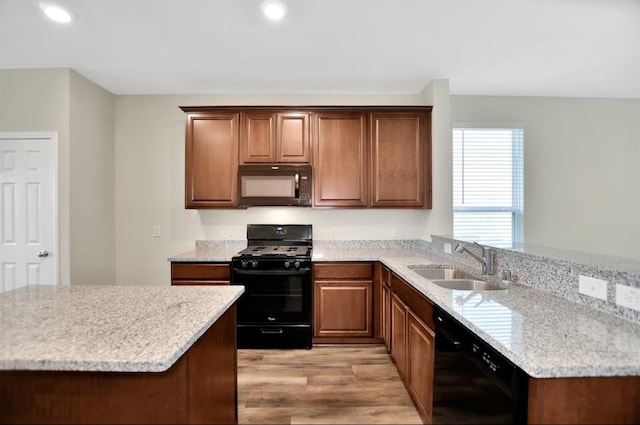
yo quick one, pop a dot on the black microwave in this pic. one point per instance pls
(274, 184)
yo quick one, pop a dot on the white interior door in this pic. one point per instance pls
(28, 170)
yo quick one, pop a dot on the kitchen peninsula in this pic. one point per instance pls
(118, 354)
(583, 364)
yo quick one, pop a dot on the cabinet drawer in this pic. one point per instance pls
(343, 271)
(206, 271)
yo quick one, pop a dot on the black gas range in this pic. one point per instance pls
(276, 308)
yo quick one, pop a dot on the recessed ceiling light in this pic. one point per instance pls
(56, 13)
(273, 9)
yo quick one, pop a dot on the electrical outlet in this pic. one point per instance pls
(327, 233)
(398, 233)
(156, 231)
(593, 287)
(225, 234)
(447, 247)
(626, 296)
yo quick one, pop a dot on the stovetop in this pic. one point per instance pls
(275, 251)
(273, 241)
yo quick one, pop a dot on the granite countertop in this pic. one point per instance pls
(545, 335)
(106, 328)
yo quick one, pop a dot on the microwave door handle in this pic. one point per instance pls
(296, 178)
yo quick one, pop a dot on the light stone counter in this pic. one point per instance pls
(106, 328)
(544, 334)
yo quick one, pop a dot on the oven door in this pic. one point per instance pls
(274, 296)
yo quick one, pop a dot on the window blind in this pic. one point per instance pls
(488, 193)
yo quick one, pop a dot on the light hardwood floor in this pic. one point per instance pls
(346, 384)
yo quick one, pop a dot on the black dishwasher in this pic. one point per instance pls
(473, 383)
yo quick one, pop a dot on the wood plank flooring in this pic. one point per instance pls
(346, 384)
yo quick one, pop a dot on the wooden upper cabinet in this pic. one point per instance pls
(274, 137)
(339, 159)
(400, 174)
(293, 137)
(378, 156)
(211, 159)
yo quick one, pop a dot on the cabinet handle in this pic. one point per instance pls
(297, 181)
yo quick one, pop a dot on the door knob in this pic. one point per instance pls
(43, 254)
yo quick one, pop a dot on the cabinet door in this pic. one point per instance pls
(400, 159)
(339, 159)
(420, 363)
(385, 306)
(211, 160)
(399, 335)
(293, 137)
(385, 299)
(258, 137)
(343, 309)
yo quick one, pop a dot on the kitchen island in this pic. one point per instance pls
(118, 354)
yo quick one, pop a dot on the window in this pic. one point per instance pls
(488, 199)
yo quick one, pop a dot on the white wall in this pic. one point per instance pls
(150, 187)
(582, 168)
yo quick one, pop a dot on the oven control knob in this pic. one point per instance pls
(287, 264)
(244, 264)
(296, 264)
(254, 263)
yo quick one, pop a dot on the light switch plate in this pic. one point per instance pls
(156, 231)
(447, 247)
(593, 287)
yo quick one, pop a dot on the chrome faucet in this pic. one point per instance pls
(486, 259)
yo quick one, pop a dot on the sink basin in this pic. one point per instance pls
(442, 273)
(467, 284)
(450, 278)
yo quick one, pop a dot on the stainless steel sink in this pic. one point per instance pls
(443, 273)
(467, 284)
(450, 278)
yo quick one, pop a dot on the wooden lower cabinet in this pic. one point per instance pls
(200, 273)
(420, 364)
(343, 295)
(412, 344)
(399, 334)
(596, 400)
(385, 316)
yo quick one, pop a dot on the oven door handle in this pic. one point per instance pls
(272, 272)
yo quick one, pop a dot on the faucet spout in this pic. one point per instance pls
(486, 259)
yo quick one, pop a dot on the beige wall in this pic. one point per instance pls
(38, 100)
(441, 215)
(150, 187)
(92, 182)
(121, 171)
(582, 168)
(81, 113)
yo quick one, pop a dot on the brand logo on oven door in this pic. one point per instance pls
(280, 230)
(271, 318)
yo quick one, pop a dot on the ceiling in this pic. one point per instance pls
(583, 48)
